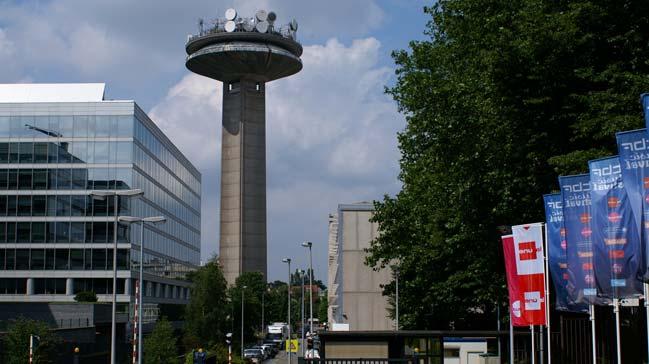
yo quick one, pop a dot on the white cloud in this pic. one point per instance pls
(331, 137)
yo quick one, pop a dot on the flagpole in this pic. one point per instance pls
(533, 350)
(616, 309)
(511, 339)
(646, 306)
(592, 330)
(546, 252)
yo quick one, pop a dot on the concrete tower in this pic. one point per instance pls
(244, 54)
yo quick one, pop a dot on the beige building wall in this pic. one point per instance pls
(360, 296)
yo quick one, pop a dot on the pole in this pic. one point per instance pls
(303, 315)
(593, 331)
(533, 349)
(310, 288)
(263, 308)
(541, 343)
(547, 291)
(230, 353)
(511, 340)
(31, 349)
(113, 332)
(140, 285)
(134, 353)
(498, 328)
(242, 298)
(289, 314)
(646, 306)
(397, 298)
(616, 309)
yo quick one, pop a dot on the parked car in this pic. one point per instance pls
(264, 351)
(271, 349)
(254, 355)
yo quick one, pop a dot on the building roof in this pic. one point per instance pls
(51, 92)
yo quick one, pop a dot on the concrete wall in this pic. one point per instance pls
(362, 300)
(361, 349)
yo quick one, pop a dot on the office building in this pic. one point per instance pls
(59, 142)
(355, 295)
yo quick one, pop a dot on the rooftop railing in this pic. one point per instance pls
(262, 22)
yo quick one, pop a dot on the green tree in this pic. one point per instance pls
(160, 346)
(206, 315)
(17, 342)
(86, 296)
(503, 97)
(255, 286)
(322, 306)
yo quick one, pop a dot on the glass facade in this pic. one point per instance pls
(51, 160)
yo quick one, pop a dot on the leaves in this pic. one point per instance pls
(503, 97)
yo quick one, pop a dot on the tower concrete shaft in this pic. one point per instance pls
(243, 179)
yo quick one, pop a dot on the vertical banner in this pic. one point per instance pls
(575, 196)
(644, 100)
(525, 280)
(633, 149)
(616, 242)
(556, 247)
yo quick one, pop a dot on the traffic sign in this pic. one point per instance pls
(292, 346)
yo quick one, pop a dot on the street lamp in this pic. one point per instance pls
(288, 261)
(302, 272)
(242, 298)
(142, 220)
(101, 195)
(308, 244)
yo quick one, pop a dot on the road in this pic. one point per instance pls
(281, 358)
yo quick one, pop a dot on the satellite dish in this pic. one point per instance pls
(262, 26)
(230, 26)
(261, 15)
(293, 25)
(272, 17)
(230, 14)
(248, 25)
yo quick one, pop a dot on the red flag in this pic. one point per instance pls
(525, 276)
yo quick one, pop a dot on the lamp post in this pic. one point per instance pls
(242, 317)
(308, 244)
(104, 195)
(142, 220)
(288, 261)
(302, 306)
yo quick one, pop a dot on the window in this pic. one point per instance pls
(79, 179)
(62, 259)
(78, 204)
(22, 259)
(64, 179)
(13, 152)
(76, 259)
(10, 259)
(40, 152)
(77, 232)
(26, 152)
(63, 206)
(4, 152)
(25, 179)
(62, 232)
(3, 179)
(12, 205)
(38, 232)
(37, 259)
(11, 232)
(39, 181)
(24, 205)
(99, 232)
(51, 205)
(49, 259)
(99, 259)
(12, 181)
(39, 205)
(23, 232)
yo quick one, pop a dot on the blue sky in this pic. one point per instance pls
(331, 131)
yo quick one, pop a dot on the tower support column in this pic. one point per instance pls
(243, 179)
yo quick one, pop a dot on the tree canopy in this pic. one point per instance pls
(502, 97)
(17, 342)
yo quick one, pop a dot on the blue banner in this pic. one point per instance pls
(616, 242)
(575, 196)
(633, 149)
(556, 250)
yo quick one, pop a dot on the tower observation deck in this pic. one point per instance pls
(244, 54)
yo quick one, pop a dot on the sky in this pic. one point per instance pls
(331, 129)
